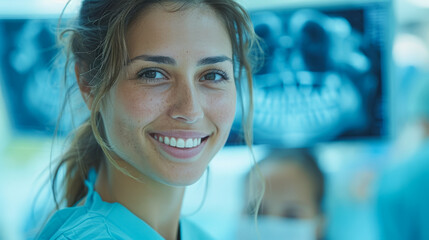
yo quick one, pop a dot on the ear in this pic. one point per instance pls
(85, 90)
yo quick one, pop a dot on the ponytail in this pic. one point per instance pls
(83, 154)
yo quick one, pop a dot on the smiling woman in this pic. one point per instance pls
(160, 80)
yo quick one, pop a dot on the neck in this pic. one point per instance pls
(155, 203)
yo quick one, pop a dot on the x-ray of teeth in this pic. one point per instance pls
(30, 78)
(322, 78)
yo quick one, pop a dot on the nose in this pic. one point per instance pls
(187, 104)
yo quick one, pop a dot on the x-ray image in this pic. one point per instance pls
(30, 77)
(322, 78)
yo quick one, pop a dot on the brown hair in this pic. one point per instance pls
(96, 44)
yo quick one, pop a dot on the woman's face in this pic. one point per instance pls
(174, 110)
(291, 192)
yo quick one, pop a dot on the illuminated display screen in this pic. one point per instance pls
(323, 76)
(30, 85)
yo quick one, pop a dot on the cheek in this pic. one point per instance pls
(139, 105)
(222, 110)
(128, 109)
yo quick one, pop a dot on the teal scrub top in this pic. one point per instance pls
(403, 199)
(97, 219)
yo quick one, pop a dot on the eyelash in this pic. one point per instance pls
(140, 75)
(223, 75)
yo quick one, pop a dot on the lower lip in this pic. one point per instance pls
(181, 153)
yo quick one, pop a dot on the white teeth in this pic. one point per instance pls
(189, 143)
(172, 142)
(179, 142)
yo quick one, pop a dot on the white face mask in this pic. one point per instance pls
(276, 228)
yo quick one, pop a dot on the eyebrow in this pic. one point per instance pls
(171, 61)
(213, 60)
(155, 58)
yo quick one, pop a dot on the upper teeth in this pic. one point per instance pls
(179, 142)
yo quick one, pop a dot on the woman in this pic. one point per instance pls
(292, 206)
(160, 80)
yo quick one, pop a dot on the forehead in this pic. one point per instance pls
(161, 29)
(286, 171)
(288, 178)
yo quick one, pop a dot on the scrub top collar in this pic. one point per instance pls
(117, 214)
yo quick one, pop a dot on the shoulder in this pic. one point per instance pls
(190, 230)
(409, 176)
(403, 187)
(78, 223)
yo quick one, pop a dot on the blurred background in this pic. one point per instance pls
(343, 78)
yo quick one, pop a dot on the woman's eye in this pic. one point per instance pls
(215, 76)
(150, 75)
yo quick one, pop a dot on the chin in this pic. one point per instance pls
(185, 178)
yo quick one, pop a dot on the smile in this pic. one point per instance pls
(179, 142)
(185, 147)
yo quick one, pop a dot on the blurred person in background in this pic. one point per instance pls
(292, 204)
(403, 196)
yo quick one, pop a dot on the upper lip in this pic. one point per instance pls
(181, 133)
